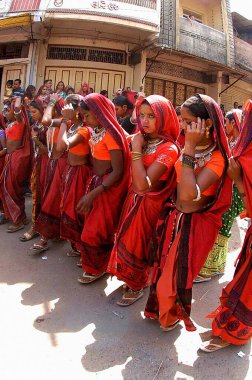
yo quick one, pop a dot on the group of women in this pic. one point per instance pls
(138, 206)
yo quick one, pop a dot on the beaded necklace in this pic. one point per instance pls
(151, 146)
(201, 158)
(49, 139)
(72, 131)
(97, 135)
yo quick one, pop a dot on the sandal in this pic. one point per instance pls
(29, 235)
(41, 246)
(87, 278)
(212, 347)
(14, 228)
(198, 279)
(130, 296)
(171, 327)
(73, 253)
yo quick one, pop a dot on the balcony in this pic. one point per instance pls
(202, 41)
(243, 54)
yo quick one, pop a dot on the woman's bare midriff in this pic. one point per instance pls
(74, 160)
(100, 167)
(12, 145)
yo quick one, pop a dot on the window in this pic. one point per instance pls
(192, 15)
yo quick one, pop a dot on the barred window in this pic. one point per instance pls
(14, 50)
(75, 53)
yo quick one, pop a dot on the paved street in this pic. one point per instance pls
(52, 327)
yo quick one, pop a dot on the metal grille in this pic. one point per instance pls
(67, 52)
(107, 56)
(141, 3)
(11, 51)
(73, 53)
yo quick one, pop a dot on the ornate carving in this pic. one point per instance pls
(58, 3)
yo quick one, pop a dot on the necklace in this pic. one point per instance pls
(10, 125)
(151, 147)
(72, 131)
(97, 135)
(203, 157)
(202, 147)
(49, 139)
(232, 143)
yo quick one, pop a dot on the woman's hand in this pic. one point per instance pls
(234, 170)
(54, 97)
(137, 142)
(68, 112)
(85, 204)
(195, 132)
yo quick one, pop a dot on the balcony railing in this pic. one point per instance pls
(202, 41)
(243, 54)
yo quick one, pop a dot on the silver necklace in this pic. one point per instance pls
(72, 131)
(49, 139)
(97, 135)
(203, 157)
(151, 147)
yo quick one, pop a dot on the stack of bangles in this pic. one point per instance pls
(52, 102)
(188, 161)
(136, 156)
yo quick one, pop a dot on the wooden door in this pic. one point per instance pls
(12, 72)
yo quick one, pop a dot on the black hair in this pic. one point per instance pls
(84, 106)
(103, 92)
(47, 80)
(178, 110)
(230, 116)
(122, 101)
(18, 80)
(73, 99)
(68, 89)
(28, 91)
(197, 107)
(34, 104)
(10, 81)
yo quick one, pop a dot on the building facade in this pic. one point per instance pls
(173, 47)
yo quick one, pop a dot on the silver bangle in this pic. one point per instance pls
(198, 193)
(149, 181)
(17, 113)
(67, 144)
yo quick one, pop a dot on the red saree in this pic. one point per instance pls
(48, 221)
(184, 242)
(101, 222)
(16, 170)
(74, 187)
(233, 318)
(130, 259)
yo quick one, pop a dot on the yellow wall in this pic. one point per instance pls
(210, 11)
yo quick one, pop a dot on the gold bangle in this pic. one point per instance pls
(136, 152)
(149, 181)
(136, 158)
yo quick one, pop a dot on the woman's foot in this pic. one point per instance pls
(130, 296)
(198, 279)
(40, 246)
(30, 234)
(73, 253)
(171, 327)
(214, 344)
(15, 227)
(87, 278)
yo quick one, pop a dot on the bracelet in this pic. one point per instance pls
(17, 113)
(34, 137)
(188, 161)
(67, 144)
(149, 181)
(52, 102)
(137, 153)
(198, 193)
(104, 187)
(136, 158)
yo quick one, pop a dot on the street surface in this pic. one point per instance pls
(52, 327)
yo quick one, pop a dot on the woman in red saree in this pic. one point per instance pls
(107, 187)
(17, 165)
(40, 161)
(73, 138)
(3, 151)
(154, 153)
(85, 89)
(232, 322)
(48, 221)
(186, 235)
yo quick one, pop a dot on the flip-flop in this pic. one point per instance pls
(127, 300)
(13, 228)
(215, 346)
(171, 327)
(39, 247)
(198, 279)
(87, 278)
(27, 236)
(73, 253)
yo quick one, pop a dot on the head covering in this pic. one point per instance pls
(166, 119)
(243, 152)
(59, 105)
(81, 92)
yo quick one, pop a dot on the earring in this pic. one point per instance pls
(77, 115)
(207, 132)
